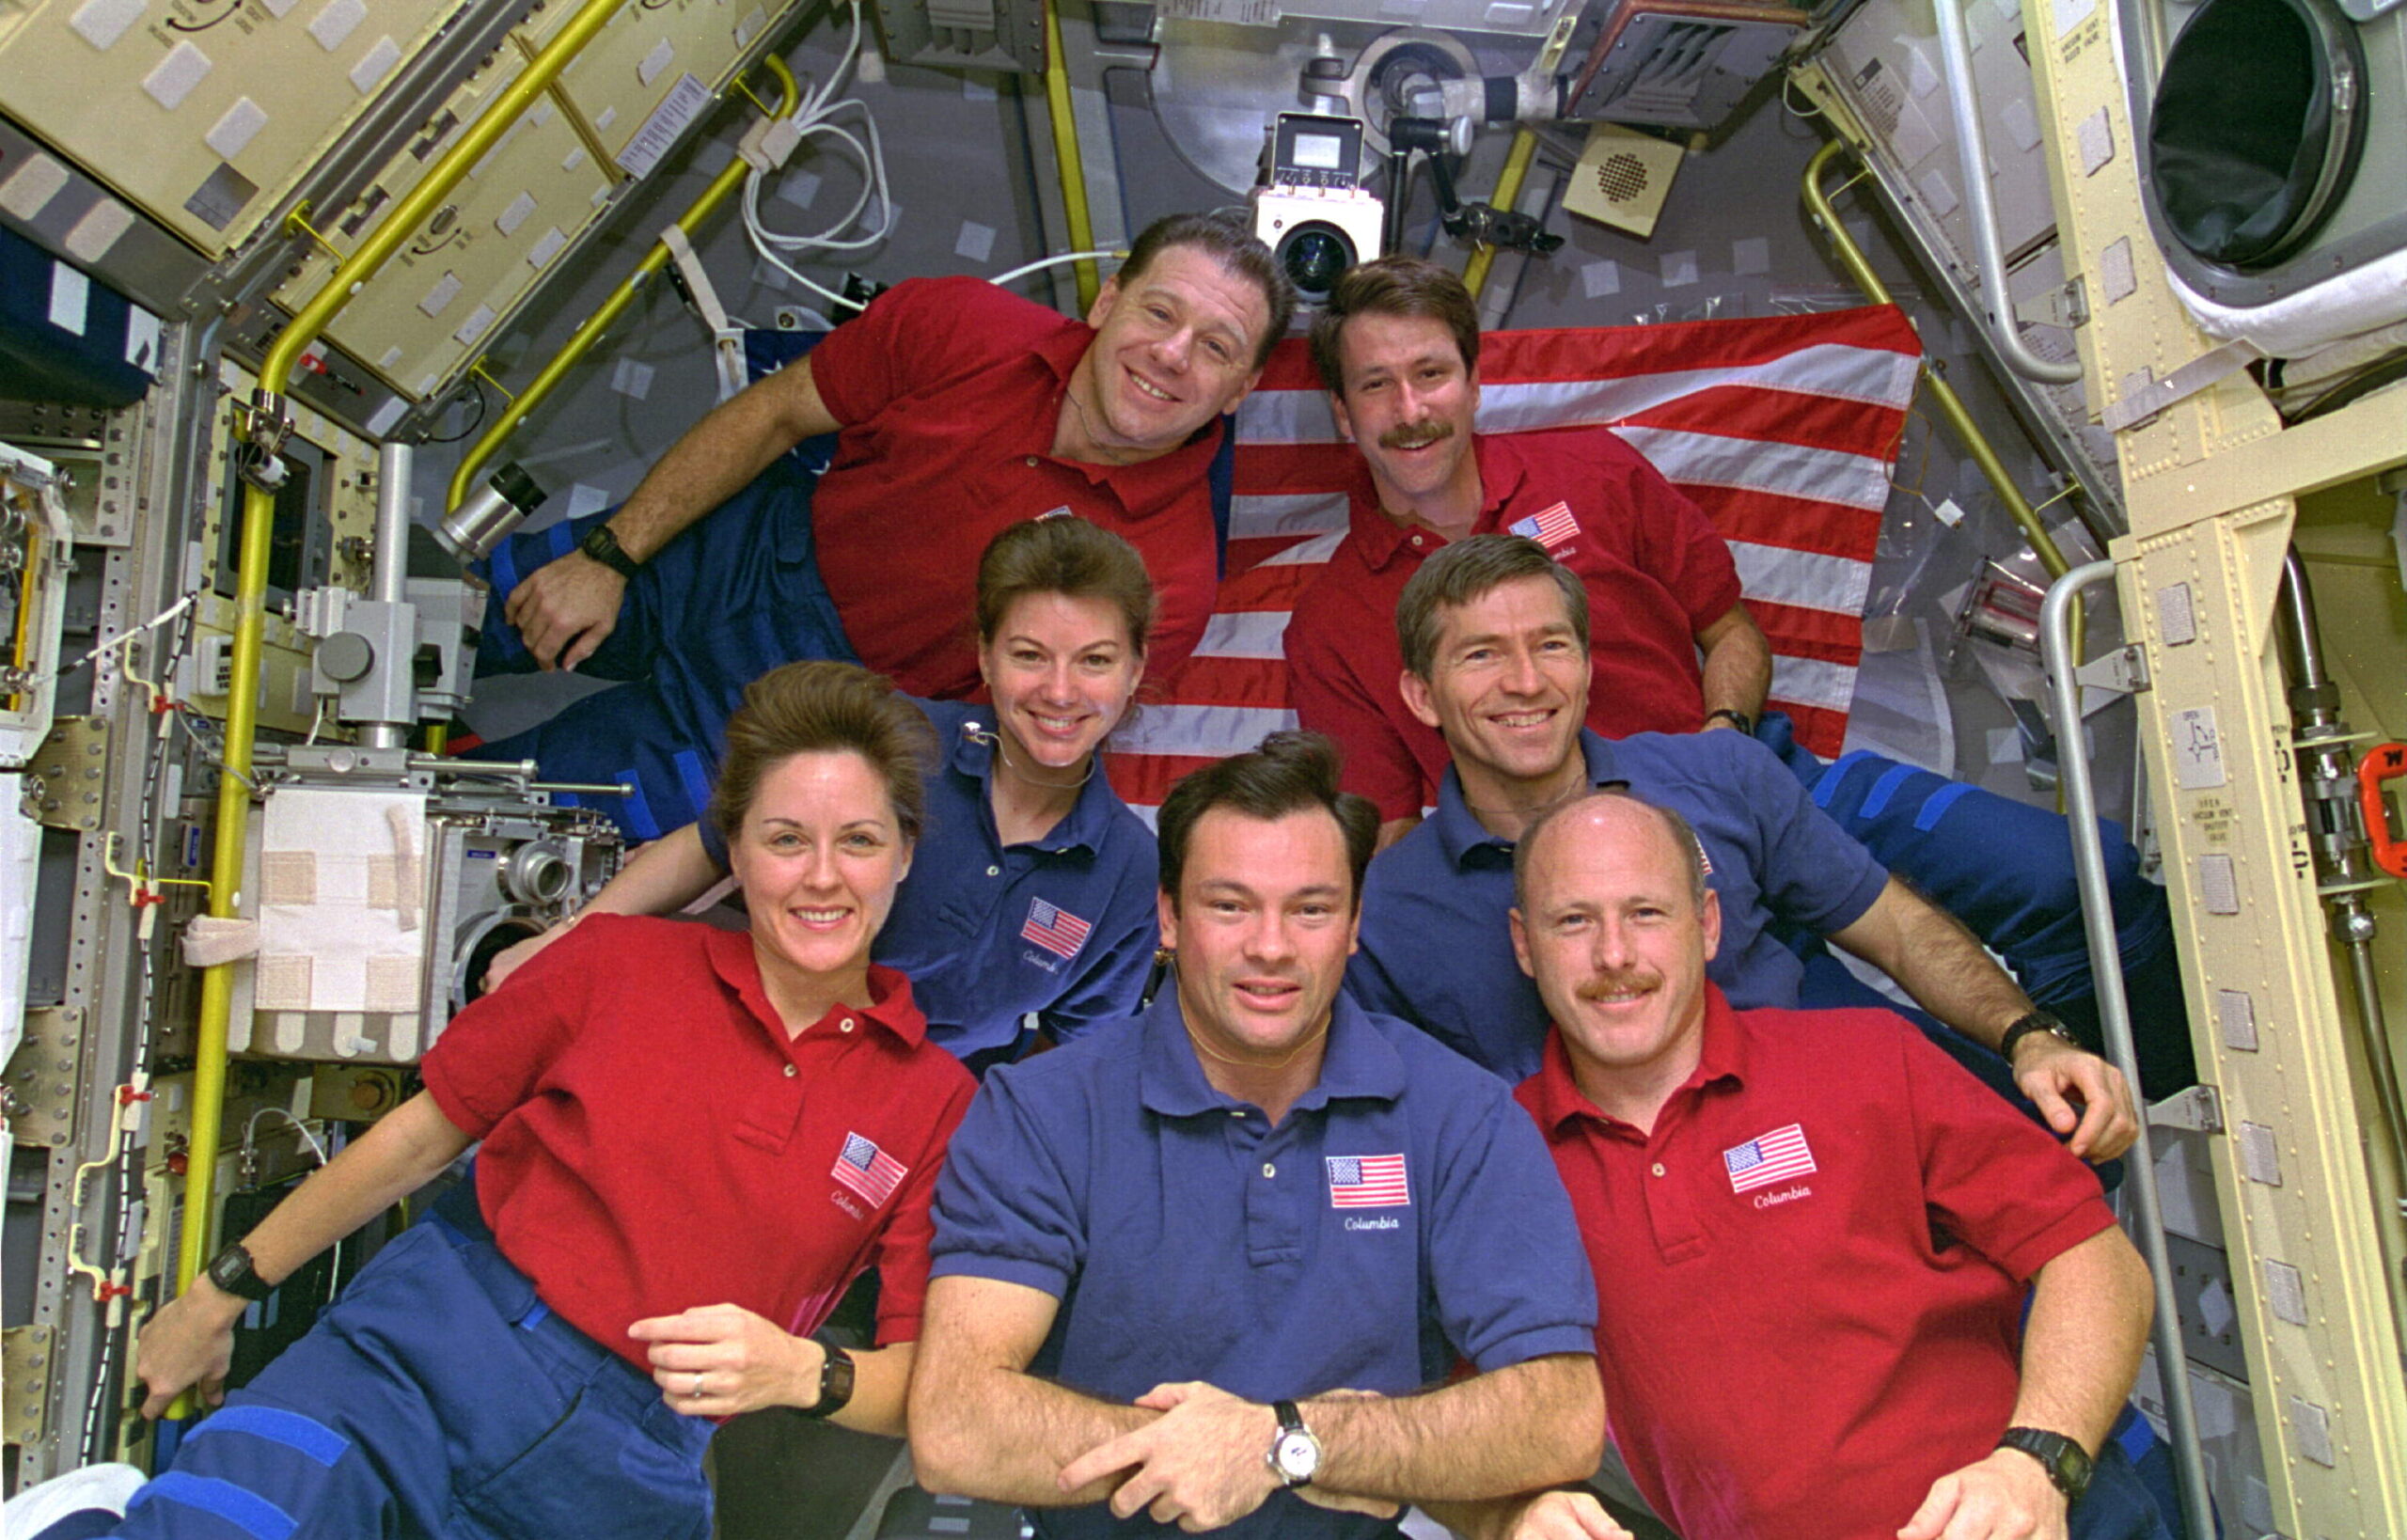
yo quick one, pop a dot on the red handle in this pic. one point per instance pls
(2387, 761)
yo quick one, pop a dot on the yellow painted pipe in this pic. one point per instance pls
(1508, 188)
(1942, 394)
(523, 405)
(250, 613)
(1065, 156)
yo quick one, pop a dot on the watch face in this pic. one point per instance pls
(1298, 1456)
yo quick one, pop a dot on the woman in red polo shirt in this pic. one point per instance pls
(693, 1141)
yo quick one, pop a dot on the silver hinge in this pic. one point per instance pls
(2124, 671)
(2198, 1109)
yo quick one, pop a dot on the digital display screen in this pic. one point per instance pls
(1318, 153)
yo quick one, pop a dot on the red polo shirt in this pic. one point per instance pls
(1656, 569)
(654, 1141)
(1810, 1276)
(949, 390)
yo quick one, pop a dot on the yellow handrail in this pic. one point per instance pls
(523, 405)
(1950, 406)
(250, 611)
(1065, 156)
(1508, 189)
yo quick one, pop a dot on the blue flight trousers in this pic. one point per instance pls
(437, 1397)
(731, 598)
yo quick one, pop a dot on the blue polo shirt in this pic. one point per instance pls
(1438, 950)
(1063, 926)
(1403, 1216)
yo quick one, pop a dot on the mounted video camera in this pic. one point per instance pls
(1310, 209)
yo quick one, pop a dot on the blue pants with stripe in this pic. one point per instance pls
(2005, 869)
(438, 1397)
(731, 598)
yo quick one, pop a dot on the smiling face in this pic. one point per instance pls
(1408, 405)
(1174, 348)
(1062, 671)
(1508, 686)
(1262, 923)
(819, 855)
(1612, 929)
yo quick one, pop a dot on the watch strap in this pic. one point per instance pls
(836, 1377)
(232, 1270)
(604, 547)
(2068, 1465)
(1740, 719)
(2037, 1021)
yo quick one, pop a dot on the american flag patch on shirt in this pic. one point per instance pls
(1367, 1182)
(1770, 1157)
(869, 1170)
(1552, 528)
(1056, 929)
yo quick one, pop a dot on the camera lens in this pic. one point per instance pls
(1314, 255)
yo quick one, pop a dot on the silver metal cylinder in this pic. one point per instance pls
(471, 530)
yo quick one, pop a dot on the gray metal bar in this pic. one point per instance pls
(1980, 207)
(2114, 1018)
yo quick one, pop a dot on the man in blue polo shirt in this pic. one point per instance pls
(1496, 657)
(1211, 1267)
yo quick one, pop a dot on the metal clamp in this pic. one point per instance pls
(2124, 671)
(266, 425)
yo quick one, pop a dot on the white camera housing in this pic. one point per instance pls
(1312, 210)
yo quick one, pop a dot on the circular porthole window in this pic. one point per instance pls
(2256, 129)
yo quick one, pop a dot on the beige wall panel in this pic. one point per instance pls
(2316, 1285)
(457, 282)
(204, 113)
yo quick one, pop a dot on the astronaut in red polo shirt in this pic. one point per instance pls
(1813, 1237)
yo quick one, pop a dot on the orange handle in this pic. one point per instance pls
(2388, 762)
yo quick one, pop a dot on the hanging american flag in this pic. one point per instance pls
(1367, 1182)
(1055, 929)
(1782, 429)
(1771, 1157)
(869, 1170)
(1551, 527)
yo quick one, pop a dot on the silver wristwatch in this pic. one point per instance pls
(1295, 1453)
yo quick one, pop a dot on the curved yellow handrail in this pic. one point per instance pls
(582, 340)
(250, 612)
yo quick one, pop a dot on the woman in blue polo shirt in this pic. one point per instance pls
(1033, 889)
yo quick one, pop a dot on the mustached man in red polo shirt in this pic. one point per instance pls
(1813, 1237)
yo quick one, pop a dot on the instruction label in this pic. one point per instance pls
(2197, 752)
(679, 107)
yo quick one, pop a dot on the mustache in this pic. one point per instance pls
(1430, 431)
(1597, 986)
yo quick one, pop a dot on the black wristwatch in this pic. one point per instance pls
(604, 547)
(231, 1270)
(1295, 1453)
(835, 1381)
(2067, 1463)
(2037, 1021)
(1740, 719)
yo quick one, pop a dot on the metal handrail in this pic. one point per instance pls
(581, 341)
(2115, 1018)
(1980, 205)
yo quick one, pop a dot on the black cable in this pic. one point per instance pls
(479, 386)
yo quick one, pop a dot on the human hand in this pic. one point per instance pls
(2054, 1074)
(509, 959)
(189, 1341)
(1199, 1466)
(719, 1360)
(1565, 1515)
(2007, 1496)
(565, 608)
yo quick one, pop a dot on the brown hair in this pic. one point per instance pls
(1683, 836)
(1465, 571)
(819, 708)
(1068, 556)
(1290, 772)
(1392, 286)
(1228, 239)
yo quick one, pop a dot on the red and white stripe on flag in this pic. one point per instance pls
(1783, 429)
